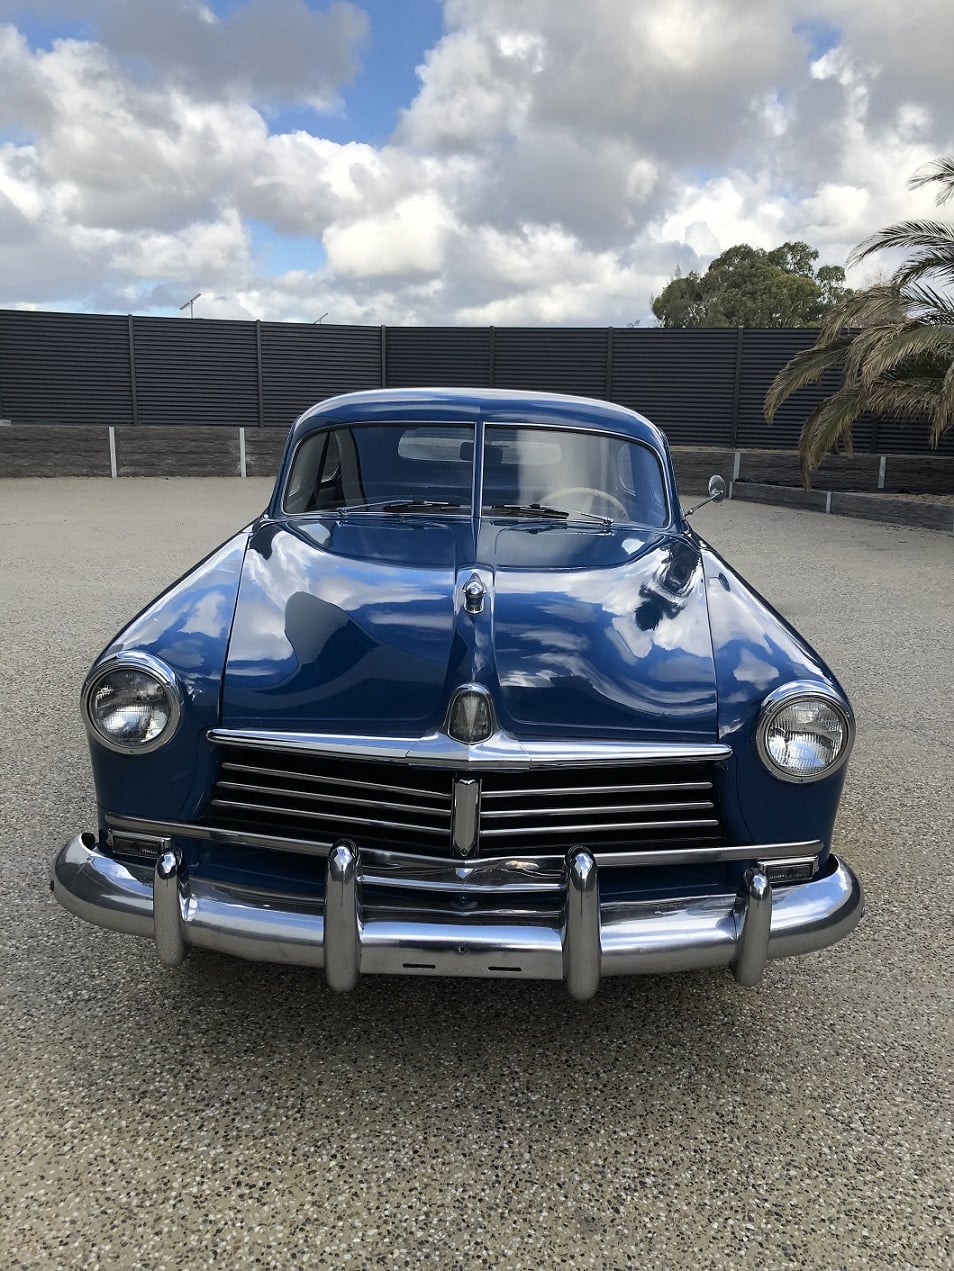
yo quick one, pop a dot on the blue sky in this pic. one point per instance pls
(400, 33)
(435, 161)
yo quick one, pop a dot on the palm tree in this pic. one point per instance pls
(893, 342)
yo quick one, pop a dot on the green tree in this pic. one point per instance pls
(893, 342)
(750, 287)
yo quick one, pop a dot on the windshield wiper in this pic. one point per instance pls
(527, 509)
(541, 510)
(400, 505)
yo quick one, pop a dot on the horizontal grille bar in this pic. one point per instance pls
(339, 782)
(585, 811)
(317, 797)
(600, 827)
(340, 818)
(574, 790)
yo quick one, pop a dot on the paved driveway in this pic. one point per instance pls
(228, 1113)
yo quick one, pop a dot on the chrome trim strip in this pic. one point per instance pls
(532, 792)
(340, 818)
(350, 937)
(599, 826)
(608, 810)
(334, 799)
(502, 751)
(413, 865)
(213, 834)
(322, 779)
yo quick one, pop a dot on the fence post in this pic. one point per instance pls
(737, 387)
(258, 365)
(133, 391)
(609, 364)
(491, 353)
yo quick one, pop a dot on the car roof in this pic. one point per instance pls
(493, 405)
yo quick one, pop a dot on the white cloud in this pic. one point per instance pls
(556, 165)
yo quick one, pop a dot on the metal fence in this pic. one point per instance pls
(703, 387)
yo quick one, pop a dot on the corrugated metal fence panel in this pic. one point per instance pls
(764, 353)
(564, 360)
(193, 371)
(302, 363)
(684, 381)
(64, 368)
(897, 438)
(73, 368)
(438, 356)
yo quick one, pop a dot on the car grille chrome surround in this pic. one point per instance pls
(435, 811)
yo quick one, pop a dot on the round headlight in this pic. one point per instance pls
(133, 706)
(803, 734)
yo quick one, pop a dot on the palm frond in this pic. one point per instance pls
(944, 410)
(923, 264)
(927, 304)
(908, 235)
(805, 368)
(901, 350)
(863, 344)
(874, 306)
(940, 170)
(828, 425)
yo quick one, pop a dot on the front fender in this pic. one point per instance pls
(188, 628)
(755, 651)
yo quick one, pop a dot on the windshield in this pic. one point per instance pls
(373, 466)
(559, 470)
(555, 473)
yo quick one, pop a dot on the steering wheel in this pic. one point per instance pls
(584, 493)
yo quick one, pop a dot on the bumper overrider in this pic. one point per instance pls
(587, 939)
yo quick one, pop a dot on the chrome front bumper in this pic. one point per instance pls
(590, 939)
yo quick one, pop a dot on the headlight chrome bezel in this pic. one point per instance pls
(156, 670)
(787, 695)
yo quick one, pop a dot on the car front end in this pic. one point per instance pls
(465, 725)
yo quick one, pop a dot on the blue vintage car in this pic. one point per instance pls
(469, 699)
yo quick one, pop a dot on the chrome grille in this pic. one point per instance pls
(605, 809)
(321, 800)
(392, 805)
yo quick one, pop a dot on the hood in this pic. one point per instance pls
(358, 626)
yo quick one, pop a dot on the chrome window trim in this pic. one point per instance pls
(502, 751)
(136, 660)
(784, 695)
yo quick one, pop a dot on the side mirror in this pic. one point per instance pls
(717, 491)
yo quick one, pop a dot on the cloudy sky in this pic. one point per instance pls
(471, 161)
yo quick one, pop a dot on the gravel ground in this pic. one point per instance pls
(236, 1115)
